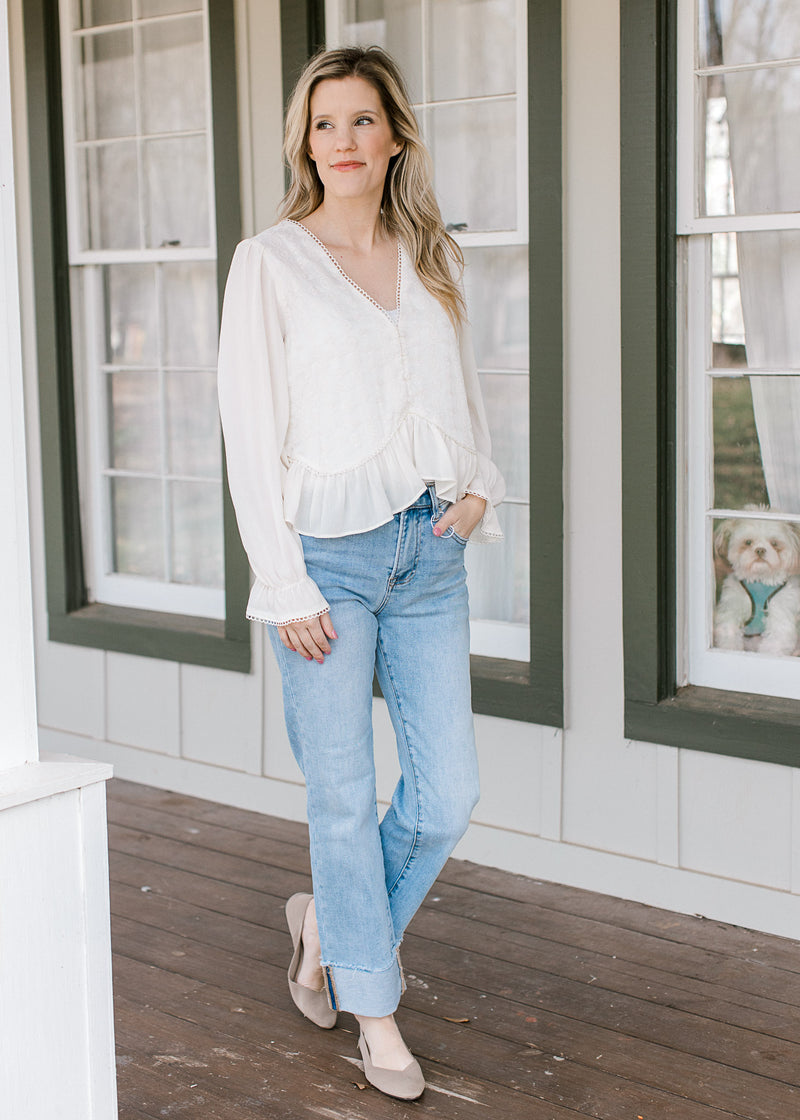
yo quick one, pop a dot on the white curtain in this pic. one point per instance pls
(763, 110)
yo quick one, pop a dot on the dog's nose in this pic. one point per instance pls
(760, 553)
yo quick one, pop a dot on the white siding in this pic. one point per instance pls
(736, 819)
(143, 702)
(221, 717)
(697, 833)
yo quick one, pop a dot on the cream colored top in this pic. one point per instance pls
(336, 414)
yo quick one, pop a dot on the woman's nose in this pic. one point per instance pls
(345, 140)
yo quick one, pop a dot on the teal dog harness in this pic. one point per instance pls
(760, 595)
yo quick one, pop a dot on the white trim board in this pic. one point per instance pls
(53, 773)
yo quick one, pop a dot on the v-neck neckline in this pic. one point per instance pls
(387, 312)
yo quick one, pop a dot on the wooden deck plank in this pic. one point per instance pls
(754, 977)
(470, 935)
(779, 952)
(577, 1005)
(773, 1018)
(292, 1033)
(259, 943)
(216, 1049)
(198, 809)
(496, 1062)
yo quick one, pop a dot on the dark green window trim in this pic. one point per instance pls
(657, 710)
(71, 619)
(516, 690)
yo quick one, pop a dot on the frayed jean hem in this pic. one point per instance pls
(362, 992)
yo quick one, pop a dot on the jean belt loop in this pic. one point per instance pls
(434, 500)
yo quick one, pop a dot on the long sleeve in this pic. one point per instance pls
(487, 481)
(254, 408)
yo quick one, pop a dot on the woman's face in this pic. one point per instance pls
(350, 138)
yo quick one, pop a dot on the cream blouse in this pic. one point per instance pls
(336, 413)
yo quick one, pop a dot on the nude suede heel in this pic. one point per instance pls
(407, 1084)
(314, 1005)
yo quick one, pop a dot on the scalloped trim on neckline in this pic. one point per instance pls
(387, 311)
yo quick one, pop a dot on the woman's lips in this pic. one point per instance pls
(346, 165)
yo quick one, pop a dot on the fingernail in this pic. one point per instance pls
(437, 532)
(335, 634)
(308, 657)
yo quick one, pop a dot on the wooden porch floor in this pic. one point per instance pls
(526, 999)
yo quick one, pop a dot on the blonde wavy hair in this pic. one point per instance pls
(409, 209)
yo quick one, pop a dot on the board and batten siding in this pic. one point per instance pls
(693, 832)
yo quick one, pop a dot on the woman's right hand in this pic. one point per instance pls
(309, 638)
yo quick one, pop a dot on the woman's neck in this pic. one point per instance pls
(355, 226)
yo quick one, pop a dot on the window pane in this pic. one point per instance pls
(755, 293)
(131, 317)
(93, 13)
(193, 436)
(167, 7)
(738, 468)
(395, 25)
(137, 527)
(776, 405)
(106, 85)
(190, 311)
(496, 284)
(499, 586)
(506, 399)
(473, 48)
(753, 560)
(197, 533)
(732, 32)
(173, 67)
(761, 109)
(718, 194)
(134, 421)
(112, 186)
(475, 152)
(177, 192)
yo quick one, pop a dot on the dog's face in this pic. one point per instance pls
(757, 550)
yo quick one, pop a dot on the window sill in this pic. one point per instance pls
(171, 637)
(740, 724)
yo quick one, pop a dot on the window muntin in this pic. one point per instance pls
(738, 187)
(466, 67)
(143, 288)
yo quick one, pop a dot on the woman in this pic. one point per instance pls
(359, 464)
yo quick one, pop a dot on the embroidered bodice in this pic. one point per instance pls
(336, 411)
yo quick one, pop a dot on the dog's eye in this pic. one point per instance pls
(748, 543)
(776, 545)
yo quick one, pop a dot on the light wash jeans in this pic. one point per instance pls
(398, 602)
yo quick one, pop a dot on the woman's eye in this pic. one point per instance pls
(364, 120)
(322, 124)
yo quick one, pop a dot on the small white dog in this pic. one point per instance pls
(759, 604)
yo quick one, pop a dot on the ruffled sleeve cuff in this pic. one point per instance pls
(282, 606)
(488, 528)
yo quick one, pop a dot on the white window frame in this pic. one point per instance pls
(488, 638)
(105, 585)
(704, 665)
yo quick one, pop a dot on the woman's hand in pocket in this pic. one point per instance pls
(462, 515)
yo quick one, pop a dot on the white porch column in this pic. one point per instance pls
(56, 1016)
(17, 708)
